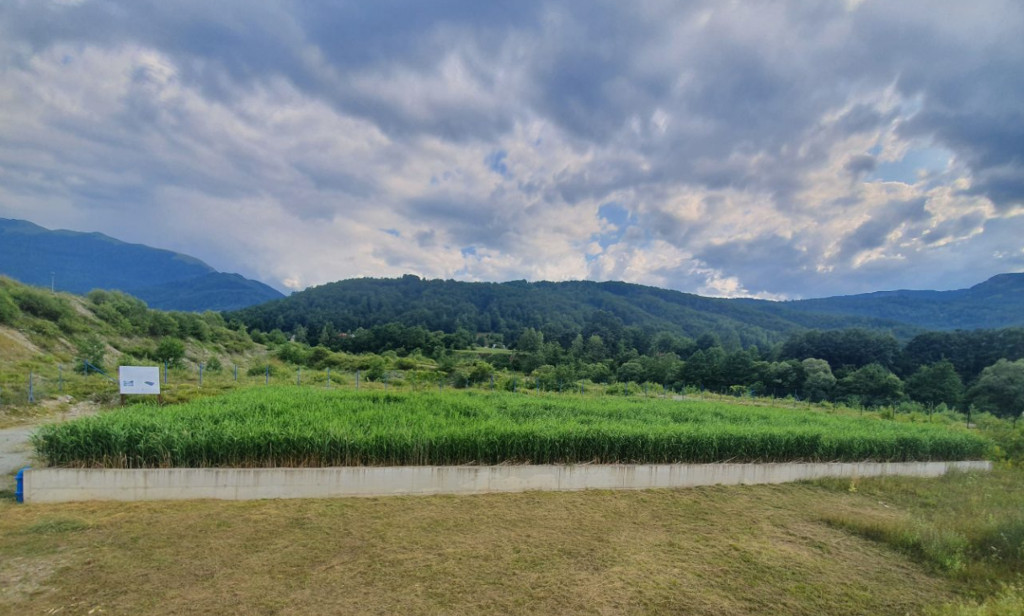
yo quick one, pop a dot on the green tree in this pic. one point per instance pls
(170, 351)
(594, 349)
(819, 382)
(1000, 389)
(872, 385)
(787, 377)
(91, 349)
(530, 340)
(936, 384)
(631, 371)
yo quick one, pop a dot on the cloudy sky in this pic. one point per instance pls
(771, 149)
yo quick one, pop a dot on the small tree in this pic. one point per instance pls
(214, 364)
(872, 385)
(171, 351)
(91, 349)
(820, 382)
(530, 340)
(1000, 389)
(936, 384)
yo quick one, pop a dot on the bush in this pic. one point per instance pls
(9, 310)
(261, 369)
(91, 349)
(42, 304)
(170, 351)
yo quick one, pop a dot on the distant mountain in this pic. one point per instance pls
(996, 303)
(563, 309)
(79, 262)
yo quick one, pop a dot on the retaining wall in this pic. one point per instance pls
(65, 485)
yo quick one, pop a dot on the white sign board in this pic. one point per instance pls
(139, 379)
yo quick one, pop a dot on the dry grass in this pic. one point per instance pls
(748, 550)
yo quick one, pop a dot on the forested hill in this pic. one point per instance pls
(79, 262)
(563, 309)
(996, 303)
(559, 309)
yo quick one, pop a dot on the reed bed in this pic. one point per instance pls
(300, 427)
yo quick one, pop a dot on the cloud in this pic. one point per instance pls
(783, 149)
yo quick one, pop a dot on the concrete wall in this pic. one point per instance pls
(64, 485)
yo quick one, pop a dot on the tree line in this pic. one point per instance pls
(854, 366)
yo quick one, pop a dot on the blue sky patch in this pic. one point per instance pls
(929, 160)
(495, 161)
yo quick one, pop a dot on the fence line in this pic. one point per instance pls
(18, 388)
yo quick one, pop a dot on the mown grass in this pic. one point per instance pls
(292, 426)
(968, 527)
(756, 550)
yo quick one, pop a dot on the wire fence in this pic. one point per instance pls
(60, 381)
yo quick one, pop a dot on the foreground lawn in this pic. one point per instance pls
(793, 549)
(293, 426)
(716, 551)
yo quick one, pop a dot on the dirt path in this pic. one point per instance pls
(15, 449)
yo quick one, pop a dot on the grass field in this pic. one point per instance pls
(803, 549)
(292, 426)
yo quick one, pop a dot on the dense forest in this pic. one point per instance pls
(558, 334)
(559, 310)
(852, 366)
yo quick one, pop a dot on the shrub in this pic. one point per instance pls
(40, 303)
(91, 349)
(214, 365)
(9, 310)
(170, 351)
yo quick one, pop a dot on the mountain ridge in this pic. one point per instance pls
(79, 262)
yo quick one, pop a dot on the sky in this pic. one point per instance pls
(774, 149)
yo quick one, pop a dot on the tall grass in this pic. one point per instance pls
(292, 426)
(969, 527)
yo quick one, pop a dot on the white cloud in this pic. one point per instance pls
(455, 142)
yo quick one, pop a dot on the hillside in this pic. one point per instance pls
(79, 262)
(995, 303)
(560, 309)
(563, 309)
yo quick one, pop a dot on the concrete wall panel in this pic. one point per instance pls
(52, 485)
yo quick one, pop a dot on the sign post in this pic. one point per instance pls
(139, 380)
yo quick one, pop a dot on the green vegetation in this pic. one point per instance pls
(583, 348)
(291, 426)
(46, 338)
(968, 527)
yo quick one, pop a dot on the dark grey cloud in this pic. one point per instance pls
(507, 126)
(874, 233)
(859, 164)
